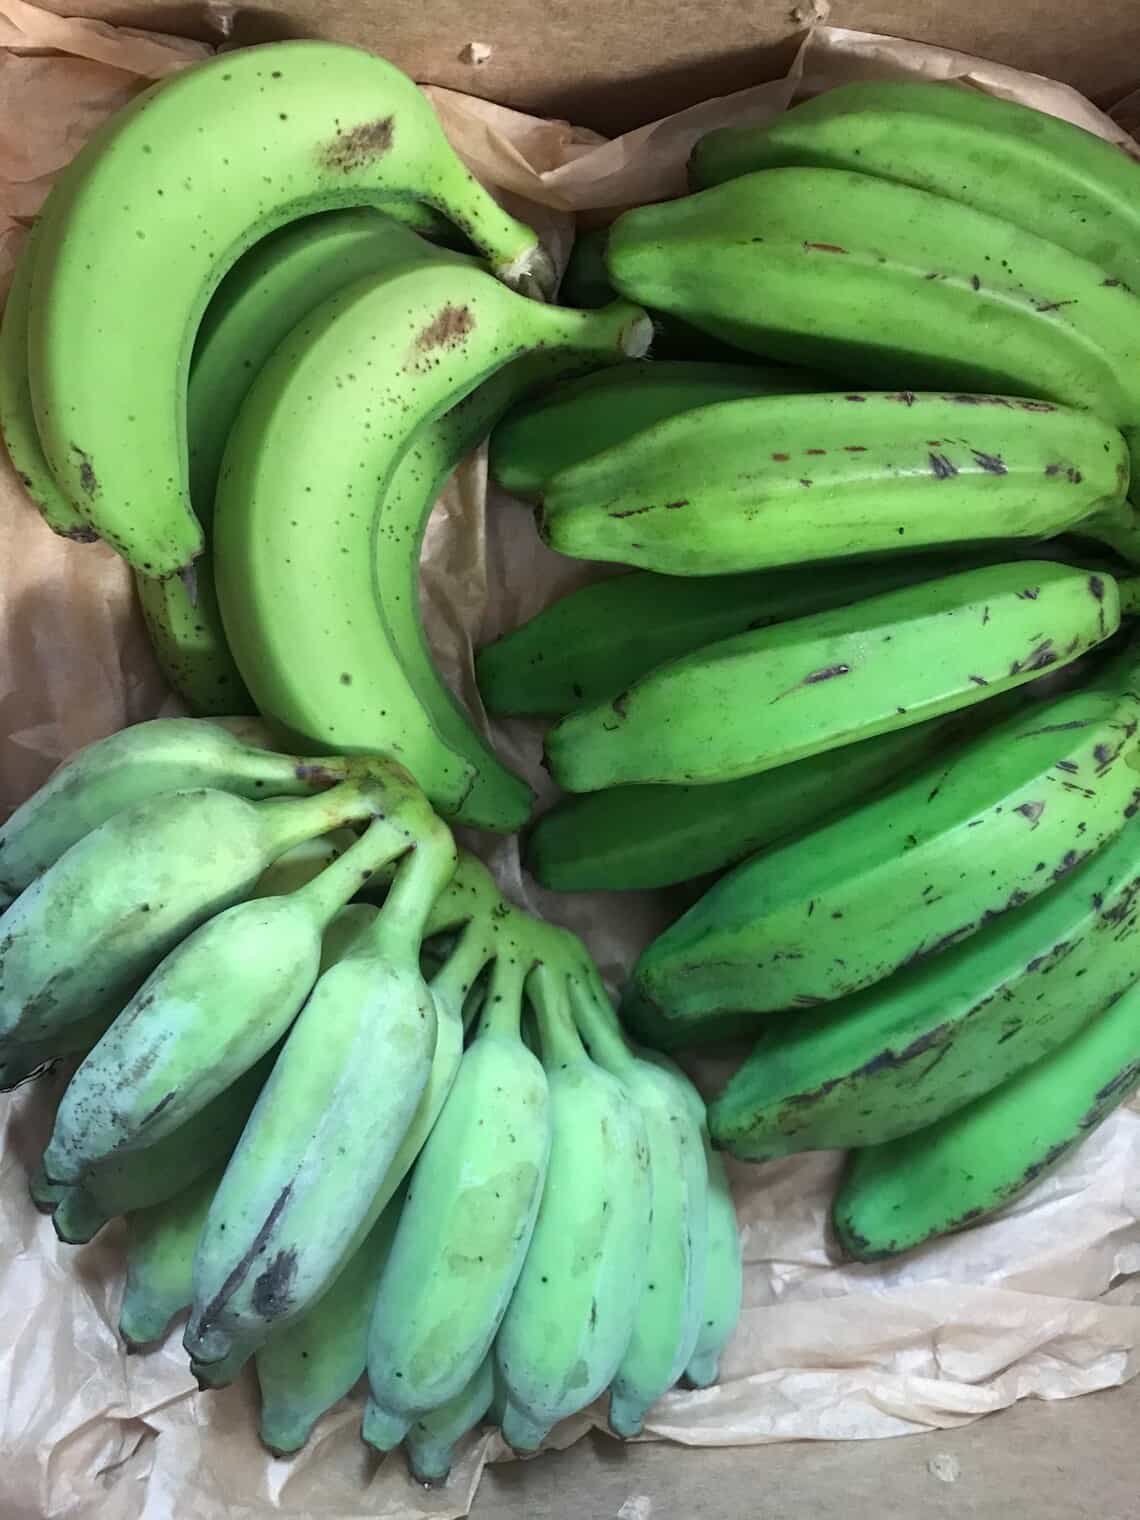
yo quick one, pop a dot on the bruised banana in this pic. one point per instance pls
(818, 682)
(431, 1440)
(967, 837)
(1032, 169)
(767, 481)
(327, 421)
(158, 205)
(161, 1241)
(898, 1057)
(88, 931)
(896, 1196)
(582, 417)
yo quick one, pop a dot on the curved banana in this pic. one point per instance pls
(767, 481)
(963, 840)
(314, 448)
(468, 1219)
(160, 201)
(573, 1309)
(820, 682)
(1030, 168)
(431, 1440)
(160, 1254)
(896, 1196)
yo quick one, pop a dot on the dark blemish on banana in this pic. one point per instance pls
(271, 1291)
(1068, 765)
(992, 464)
(1031, 406)
(1030, 594)
(975, 282)
(941, 467)
(781, 458)
(1074, 476)
(671, 506)
(854, 448)
(1052, 305)
(620, 704)
(854, 398)
(359, 147)
(815, 451)
(345, 678)
(88, 480)
(985, 615)
(1032, 811)
(979, 680)
(826, 247)
(908, 399)
(805, 482)
(630, 512)
(239, 1271)
(445, 330)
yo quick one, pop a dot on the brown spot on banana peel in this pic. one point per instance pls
(272, 1290)
(941, 467)
(359, 146)
(825, 248)
(88, 480)
(241, 1268)
(446, 330)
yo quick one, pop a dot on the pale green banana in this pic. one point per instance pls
(896, 1196)
(897, 1057)
(327, 1126)
(431, 1440)
(84, 935)
(470, 1212)
(160, 203)
(724, 1277)
(767, 481)
(160, 1254)
(957, 843)
(573, 1310)
(758, 700)
(309, 1364)
(1024, 165)
(327, 422)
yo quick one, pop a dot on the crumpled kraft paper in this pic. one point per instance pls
(1041, 1302)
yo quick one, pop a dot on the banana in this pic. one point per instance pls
(959, 842)
(160, 1253)
(724, 1277)
(17, 422)
(300, 865)
(584, 417)
(87, 932)
(214, 1006)
(667, 1322)
(894, 285)
(572, 1313)
(819, 682)
(159, 204)
(896, 1196)
(1032, 169)
(766, 481)
(19, 1061)
(259, 302)
(896, 1058)
(44, 1194)
(143, 761)
(470, 1212)
(327, 421)
(308, 1365)
(588, 646)
(431, 1440)
(321, 1139)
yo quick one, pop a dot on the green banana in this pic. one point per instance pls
(669, 1310)
(1032, 169)
(896, 1196)
(467, 1223)
(259, 302)
(19, 1061)
(295, 869)
(896, 1058)
(327, 421)
(724, 1278)
(576, 420)
(160, 203)
(588, 646)
(766, 481)
(897, 286)
(214, 1006)
(308, 1365)
(431, 1440)
(572, 1313)
(160, 1254)
(966, 838)
(819, 682)
(44, 1194)
(17, 423)
(319, 1143)
(141, 762)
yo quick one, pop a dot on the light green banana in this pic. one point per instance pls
(160, 203)
(667, 1321)
(573, 1309)
(898, 1057)
(724, 1277)
(143, 761)
(84, 935)
(327, 1125)
(469, 1215)
(896, 1196)
(431, 1440)
(308, 1365)
(223, 997)
(957, 843)
(576, 420)
(1021, 164)
(160, 1254)
(327, 421)
(767, 481)
(758, 700)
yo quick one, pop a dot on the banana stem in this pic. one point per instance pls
(343, 877)
(291, 821)
(502, 1010)
(550, 994)
(598, 1025)
(471, 893)
(420, 878)
(460, 971)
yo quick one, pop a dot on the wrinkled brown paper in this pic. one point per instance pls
(1042, 1302)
